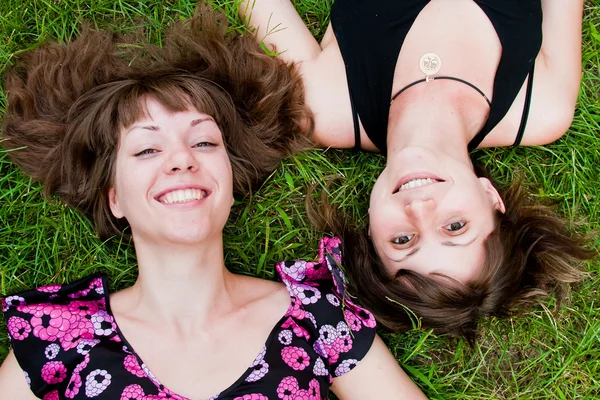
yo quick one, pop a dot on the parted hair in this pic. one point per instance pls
(530, 255)
(68, 103)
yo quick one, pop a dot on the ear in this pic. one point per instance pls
(493, 194)
(113, 202)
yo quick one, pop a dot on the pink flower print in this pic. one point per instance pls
(51, 322)
(81, 366)
(52, 351)
(297, 329)
(342, 329)
(253, 396)
(295, 310)
(295, 357)
(352, 320)
(94, 284)
(97, 382)
(80, 329)
(133, 392)
(329, 246)
(333, 299)
(366, 317)
(332, 354)
(4, 305)
(311, 318)
(328, 334)
(306, 293)
(132, 365)
(259, 366)
(302, 395)
(296, 271)
(49, 288)
(287, 389)
(86, 345)
(84, 307)
(319, 348)
(345, 366)
(259, 370)
(314, 390)
(18, 328)
(116, 338)
(285, 337)
(12, 301)
(54, 372)
(316, 272)
(342, 344)
(103, 323)
(73, 386)
(167, 394)
(319, 369)
(27, 378)
(53, 395)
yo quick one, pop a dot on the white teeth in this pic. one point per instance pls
(416, 183)
(182, 196)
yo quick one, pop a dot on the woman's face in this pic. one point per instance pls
(431, 214)
(173, 179)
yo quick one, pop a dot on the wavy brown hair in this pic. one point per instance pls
(530, 255)
(68, 103)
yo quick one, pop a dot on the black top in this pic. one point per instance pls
(370, 36)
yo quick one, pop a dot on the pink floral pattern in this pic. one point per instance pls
(18, 328)
(69, 345)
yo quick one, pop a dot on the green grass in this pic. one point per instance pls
(542, 355)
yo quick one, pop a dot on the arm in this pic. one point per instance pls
(280, 28)
(12, 381)
(556, 81)
(377, 376)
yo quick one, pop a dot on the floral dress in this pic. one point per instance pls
(69, 346)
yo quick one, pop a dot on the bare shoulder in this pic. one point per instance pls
(12, 380)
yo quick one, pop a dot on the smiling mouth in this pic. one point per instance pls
(415, 183)
(183, 196)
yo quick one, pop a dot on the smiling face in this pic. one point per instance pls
(431, 214)
(173, 179)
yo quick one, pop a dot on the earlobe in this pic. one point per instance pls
(493, 195)
(114, 203)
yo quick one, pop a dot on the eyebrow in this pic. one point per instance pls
(155, 128)
(449, 244)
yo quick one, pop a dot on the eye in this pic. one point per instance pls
(455, 226)
(146, 152)
(403, 240)
(204, 144)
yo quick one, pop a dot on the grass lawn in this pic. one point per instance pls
(541, 355)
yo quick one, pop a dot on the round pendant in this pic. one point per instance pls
(430, 63)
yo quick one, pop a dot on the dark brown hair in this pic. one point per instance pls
(530, 255)
(67, 104)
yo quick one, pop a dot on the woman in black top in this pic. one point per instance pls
(424, 82)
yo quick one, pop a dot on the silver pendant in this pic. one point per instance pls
(430, 64)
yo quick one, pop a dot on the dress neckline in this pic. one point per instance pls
(149, 375)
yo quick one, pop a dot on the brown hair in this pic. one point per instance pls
(530, 255)
(68, 103)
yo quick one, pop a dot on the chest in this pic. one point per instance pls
(467, 44)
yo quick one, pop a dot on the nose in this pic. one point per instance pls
(420, 208)
(180, 159)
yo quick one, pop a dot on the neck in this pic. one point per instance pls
(430, 116)
(181, 284)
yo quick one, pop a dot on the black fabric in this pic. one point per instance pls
(371, 34)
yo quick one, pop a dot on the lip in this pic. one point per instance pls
(416, 175)
(182, 187)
